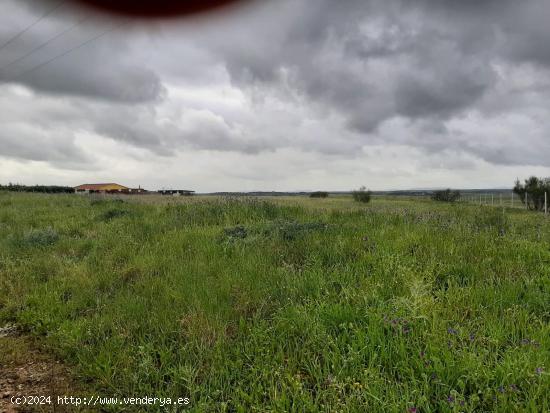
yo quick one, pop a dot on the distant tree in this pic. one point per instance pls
(532, 192)
(362, 195)
(446, 195)
(319, 194)
(51, 189)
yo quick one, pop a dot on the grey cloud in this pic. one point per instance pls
(118, 84)
(102, 69)
(371, 62)
(26, 143)
(368, 63)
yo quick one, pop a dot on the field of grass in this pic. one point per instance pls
(286, 305)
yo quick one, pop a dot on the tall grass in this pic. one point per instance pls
(248, 305)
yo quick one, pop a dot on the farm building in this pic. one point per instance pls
(107, 189)
(176, 192)
(100, 188)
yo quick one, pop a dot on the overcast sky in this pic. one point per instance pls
(279, 95)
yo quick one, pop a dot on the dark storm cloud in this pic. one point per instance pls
(100, 69)
(372, 61)
(425, 65)
(28, 143)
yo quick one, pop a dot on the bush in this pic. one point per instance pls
(319, 194)
(113, 213)
(534, 188)
(39, 237)
(362, 195)
(446, 196)
(238, 232)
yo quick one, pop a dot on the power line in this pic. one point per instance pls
(41, 46)
(72, 49)
(26, 29)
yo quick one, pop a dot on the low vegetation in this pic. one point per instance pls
(291, 305)
(362, 195)
(319, 194)
(447, 195)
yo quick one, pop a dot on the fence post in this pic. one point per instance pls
(492, 199)
(545, 203)
(526, 204)
(512, 199)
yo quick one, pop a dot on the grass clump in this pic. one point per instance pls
(292, 230)
(38, 238)
(113, 213)
(238, 232)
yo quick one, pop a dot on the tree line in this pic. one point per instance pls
(46, 189)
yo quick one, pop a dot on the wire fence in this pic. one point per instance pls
(502, 199)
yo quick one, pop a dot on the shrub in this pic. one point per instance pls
(362, 195)
(113, 213)
(319, 194)
(238, 232)
(534, 188)
(40, 237)
(447, 195)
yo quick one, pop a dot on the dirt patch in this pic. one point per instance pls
(26, 370)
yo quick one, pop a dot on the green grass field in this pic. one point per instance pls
(286, 305)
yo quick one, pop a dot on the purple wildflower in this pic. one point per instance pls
(413, 410)
(451, 399)
(528, 342)
(452, 331)
(513, 387)
(472, 337)
(501, 389)
(538, 371)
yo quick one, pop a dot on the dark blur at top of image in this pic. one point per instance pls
(153, 9)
